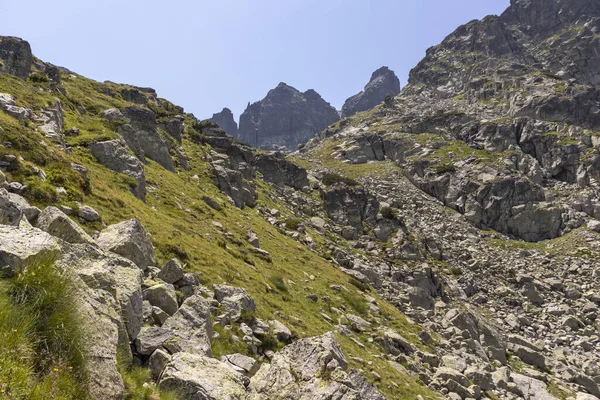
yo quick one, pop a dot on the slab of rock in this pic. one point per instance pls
(16, 56)
(151, 338)
(115, 156)
(234, 299)
(193, 376)
(172, 271)
(19, 246)
(243, 364)
(57, 223)
(10, 212)
(192, 327)
(162, 296)
(130, 240)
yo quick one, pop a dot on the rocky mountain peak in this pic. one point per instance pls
(285, 118)
(383, 83)
(15, 56)
(226, 121)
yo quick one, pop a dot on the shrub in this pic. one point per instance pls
(38, 77)
(279, 283)
(388, 213)
(292, 223)
(443, 168)
(332, 179)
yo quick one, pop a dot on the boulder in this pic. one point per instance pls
(192, 327)
(10, 212)
(16, 56)
(172, 271)
(19, 246)
(234, 299)
(162, 296)
(243, 364)
(130, 240)
(115, 156)
(57, 223)
(151, 338)
(194, 376)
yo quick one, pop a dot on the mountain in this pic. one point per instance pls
(383, 83)
(226, 122)
(285, 118)
(444, 244)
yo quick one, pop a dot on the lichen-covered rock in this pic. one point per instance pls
(192, 327)
(19, 246)
(10, 212)
(198, 377)
(130, 240)
(235, 300)
(312, 368)
(162, 296)
(172, 271)
(57, 223)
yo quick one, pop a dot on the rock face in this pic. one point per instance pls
(285, 118)
(226, 122)
(16, 56)
(383, 83)
(114, 155)
(130, 240)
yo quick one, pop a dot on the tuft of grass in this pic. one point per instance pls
(389, 213)
(278, 282)
(139, 385)
(41, 337)
(292, 223)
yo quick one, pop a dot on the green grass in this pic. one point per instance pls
(180, 224)
(41, 338)
(139, 385)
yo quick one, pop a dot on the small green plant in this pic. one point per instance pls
(292, 223)
(40, 192)
(279, 283)
(444, 168)
(388, 213)
(38, 77)
(332, 179)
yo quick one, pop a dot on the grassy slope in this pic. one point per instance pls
(181, 225)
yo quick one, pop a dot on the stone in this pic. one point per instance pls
(383, 83)
(151, 338)
(234, 299)
(157, 363)
(162, 296)
(172, 271)
(10, 212)
(58, 224)
(530, 356)
(87, 213)
(285, 118)
(115, 156)
(16, 56)
(130, 240)
(281, 332)
(245, 365)
(194, 376)
(192, 327)
(19, 246)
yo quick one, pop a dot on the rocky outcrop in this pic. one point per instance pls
(383, 83)
(350, 206)
(114, 155)
(130, 240)
(285, 118)
(15, 56)
(226, 122)
(142, 136)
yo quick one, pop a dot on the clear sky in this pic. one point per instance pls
(205, 55)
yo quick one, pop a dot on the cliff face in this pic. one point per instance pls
(226, 122)
(383, 83)
(285, 118)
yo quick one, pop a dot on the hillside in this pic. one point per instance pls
(442, 245)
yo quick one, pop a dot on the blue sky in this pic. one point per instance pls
(206, 55)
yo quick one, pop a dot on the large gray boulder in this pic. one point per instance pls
(130, 240)
(192, 327)
(194, 376)
(57, 223)
(383, 83)
(18, 247)
(226, 122)
(285, 118)
(10, 212)
(162, 296)
(142, 136)
(115, 156)
(235, 300)
(16, 56)
(312, 368)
